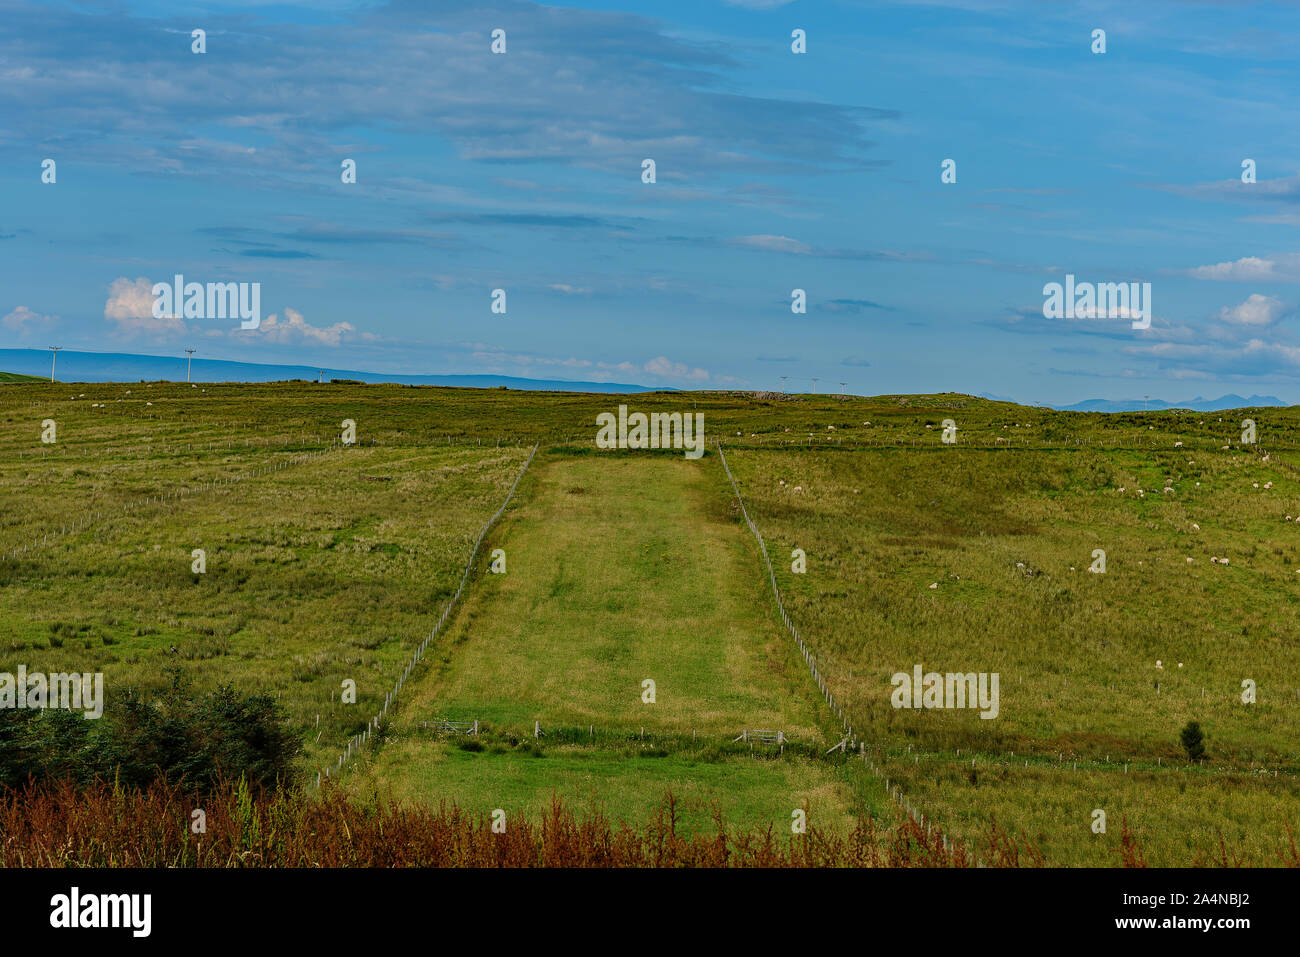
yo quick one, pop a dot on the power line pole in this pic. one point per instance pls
(783, 378)
(54, 355)
(1144, 402)
(814, 385)
(320, 376)
(187, 363)
(842, 385)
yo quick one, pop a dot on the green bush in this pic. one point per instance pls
(1193, 741)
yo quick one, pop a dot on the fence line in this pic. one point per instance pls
(356, 742)
(850, 740)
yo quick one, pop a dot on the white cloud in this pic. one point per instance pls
(660, 366)
(130, 309)
(1282, 268)
(776, 244)
(293, 328)
(665, 367)
(20, 318)
(1255, 311)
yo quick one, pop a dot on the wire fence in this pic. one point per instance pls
(810, 657)
(358, 741)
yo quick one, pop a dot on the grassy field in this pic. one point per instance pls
(619, 571)
(627, 566)
(326, 570)
(977, 560)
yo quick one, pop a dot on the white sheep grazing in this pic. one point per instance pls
(1195, 526)
(1159, 665)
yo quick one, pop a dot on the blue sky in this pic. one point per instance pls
(775, 171)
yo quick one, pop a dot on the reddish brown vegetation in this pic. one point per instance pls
(109, 826)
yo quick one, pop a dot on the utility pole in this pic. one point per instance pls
(187, 363)
(1144, 402)
(54, 355)
(320, 376)
(783, 378)
(842, 385)
(814, 385)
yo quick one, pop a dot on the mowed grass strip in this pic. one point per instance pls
(618, 569)
(746, 792)
(621, 569)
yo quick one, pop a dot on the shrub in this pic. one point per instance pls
(1193, 741)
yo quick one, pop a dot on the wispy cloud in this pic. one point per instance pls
(1277, 268)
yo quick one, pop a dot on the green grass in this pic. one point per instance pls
(619, 569)
(747, 792)
(328, 570)
(1007, 540)
(337, 566)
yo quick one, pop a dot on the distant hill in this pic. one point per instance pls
(15, 377)
(127, 367)
(1198, 404)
